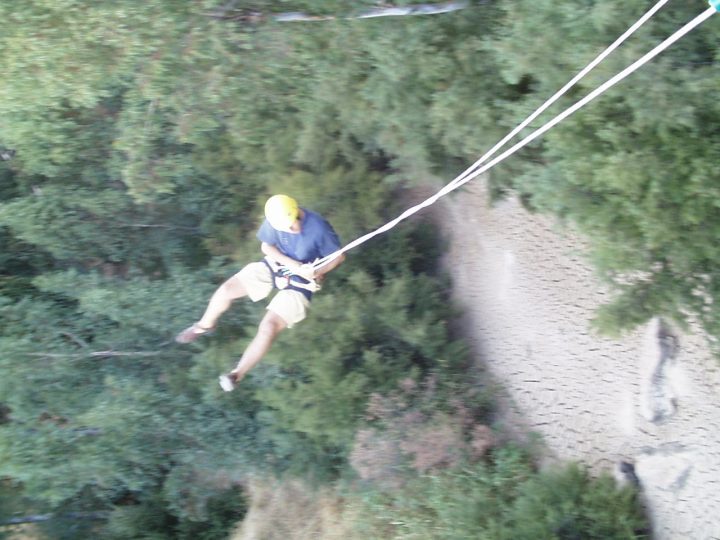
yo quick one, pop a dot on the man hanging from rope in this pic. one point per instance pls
(291, 239)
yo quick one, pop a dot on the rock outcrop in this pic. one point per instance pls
(650, 400)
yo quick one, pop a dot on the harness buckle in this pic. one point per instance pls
(282, 282)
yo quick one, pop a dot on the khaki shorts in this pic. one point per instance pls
(291, 305)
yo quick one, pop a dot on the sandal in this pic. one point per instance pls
(191, 333)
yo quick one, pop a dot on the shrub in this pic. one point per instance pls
(503, 498)
(417, 429)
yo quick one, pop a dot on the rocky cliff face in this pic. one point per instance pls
(648, 403)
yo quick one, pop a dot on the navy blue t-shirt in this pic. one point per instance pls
(315, 240)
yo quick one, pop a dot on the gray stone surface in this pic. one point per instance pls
(651, 398)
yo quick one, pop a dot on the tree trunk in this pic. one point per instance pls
(38, 518)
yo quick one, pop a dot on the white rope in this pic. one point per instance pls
(597, 92)
(466, 177)
(630, 31)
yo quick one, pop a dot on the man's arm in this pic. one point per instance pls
(332, 265)
(279, 257)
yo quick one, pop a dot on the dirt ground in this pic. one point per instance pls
(651, 398)
(292, 510)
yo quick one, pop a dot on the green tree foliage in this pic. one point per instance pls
(504, 499)
(634, 169)
(152, 520)
(155, 161)
(132, 429)
(146, 136)
(402, 93)
(568, 503)
(322, 393)
(61, 59)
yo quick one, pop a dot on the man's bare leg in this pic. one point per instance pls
(270, 326)
(219, 303)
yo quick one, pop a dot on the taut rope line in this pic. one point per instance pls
(473, 172)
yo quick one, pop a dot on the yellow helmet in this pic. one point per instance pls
(281, 211)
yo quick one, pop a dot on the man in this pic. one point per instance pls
(291, 239)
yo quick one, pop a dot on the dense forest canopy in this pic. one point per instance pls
(140, 140)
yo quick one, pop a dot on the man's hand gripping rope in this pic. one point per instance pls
(306, 271)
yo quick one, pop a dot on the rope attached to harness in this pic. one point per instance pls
(473, 172)
(283, 278)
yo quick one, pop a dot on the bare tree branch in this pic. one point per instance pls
(93, 354)
(401, 11)
(229, 12)
(158, 226)
(78, 341)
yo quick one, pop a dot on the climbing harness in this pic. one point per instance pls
(284, 278)
(474, 170)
